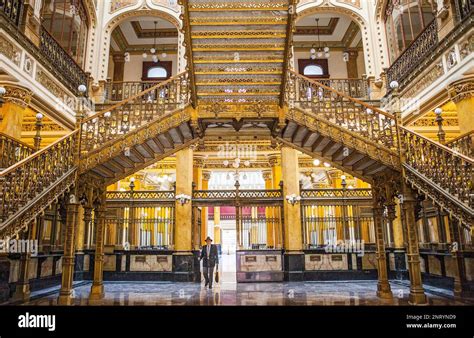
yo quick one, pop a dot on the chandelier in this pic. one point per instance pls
(320, 51)
(153, 50)
(236, 165)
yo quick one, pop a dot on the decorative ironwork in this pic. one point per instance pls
(53, 51)
(356, 88)
(119, 91)
(464, 8)
(414, 54)
(13, 10)
(135, 112)
(12, 151)
(441, 173)
(226, 195)
(325, 194)
(333, 215)
(463, 144)
(148, 196)
(348, 113)
(25, 183)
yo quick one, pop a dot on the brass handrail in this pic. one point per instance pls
(12, 150)
(132, 113)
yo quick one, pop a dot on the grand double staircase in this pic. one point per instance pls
(238, 56)
(106, 147)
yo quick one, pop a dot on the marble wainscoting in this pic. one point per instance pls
(259, 266)
(138, 265)
(320, 265)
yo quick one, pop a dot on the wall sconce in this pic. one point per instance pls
(293, 199)
(183, 199)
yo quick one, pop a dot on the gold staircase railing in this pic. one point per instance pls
(31, 185)
(441, 173)
(105, 127)
(12, 151)
(351, 114)
(463, 144)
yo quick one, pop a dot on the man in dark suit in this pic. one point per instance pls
(210, 258)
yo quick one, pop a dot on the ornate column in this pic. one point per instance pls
(462, 94)
(462, 287)
(417, 293)
(198, 165)
(66, 293)
(267, 176)
(183, 257)
(16, 100)
(217, 226)
(378, 196)
(293, 259)
(275, 163)
(97, 288)
(206, 176)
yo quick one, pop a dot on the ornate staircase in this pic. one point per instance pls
(365, 141)
(107, 146)
(238, 50)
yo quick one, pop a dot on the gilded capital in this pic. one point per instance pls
(461, 89)
(267, 175)
(17, 95)
(206, 175)
(274, 160)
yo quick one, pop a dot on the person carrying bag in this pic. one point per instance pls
(210, 258)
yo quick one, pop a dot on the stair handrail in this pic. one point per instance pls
(112, 122)
(29, 177)
(372, 116)
(7, 160)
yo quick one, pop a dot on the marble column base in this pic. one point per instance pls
(185, 267)
(384, 291)
(97, 292)
(65, 298)
(293, 266)
(417, 297)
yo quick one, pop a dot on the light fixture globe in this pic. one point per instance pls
(152, 50)
(394, 84)
(312, 50)
(326, 49)
(3, 91)
(82, 88)
(39, 116)
(438, 111)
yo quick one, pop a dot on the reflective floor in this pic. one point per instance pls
(231, 293)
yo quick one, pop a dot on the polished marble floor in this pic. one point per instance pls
(228, 292)
(231, 293)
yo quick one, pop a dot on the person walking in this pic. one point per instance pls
(210, 258)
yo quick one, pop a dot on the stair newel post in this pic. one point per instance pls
(407, 201)
(66, 293)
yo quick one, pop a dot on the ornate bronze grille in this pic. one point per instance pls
(13, 10)
(12, 151)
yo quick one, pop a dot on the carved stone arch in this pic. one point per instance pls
(326, 7)
(122, 15)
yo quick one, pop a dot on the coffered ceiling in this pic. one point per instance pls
(335, 30)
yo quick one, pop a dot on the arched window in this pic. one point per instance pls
(157, 73)
(313, 70)
(66, 21)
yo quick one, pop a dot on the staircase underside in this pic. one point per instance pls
(140, 148)
(238, 50)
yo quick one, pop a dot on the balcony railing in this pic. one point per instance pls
(118, 91)
(53, 51)
(357, 88)
(13, 10)
(464, 8)
(12, 151)
(414, 54)
(463, 144)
